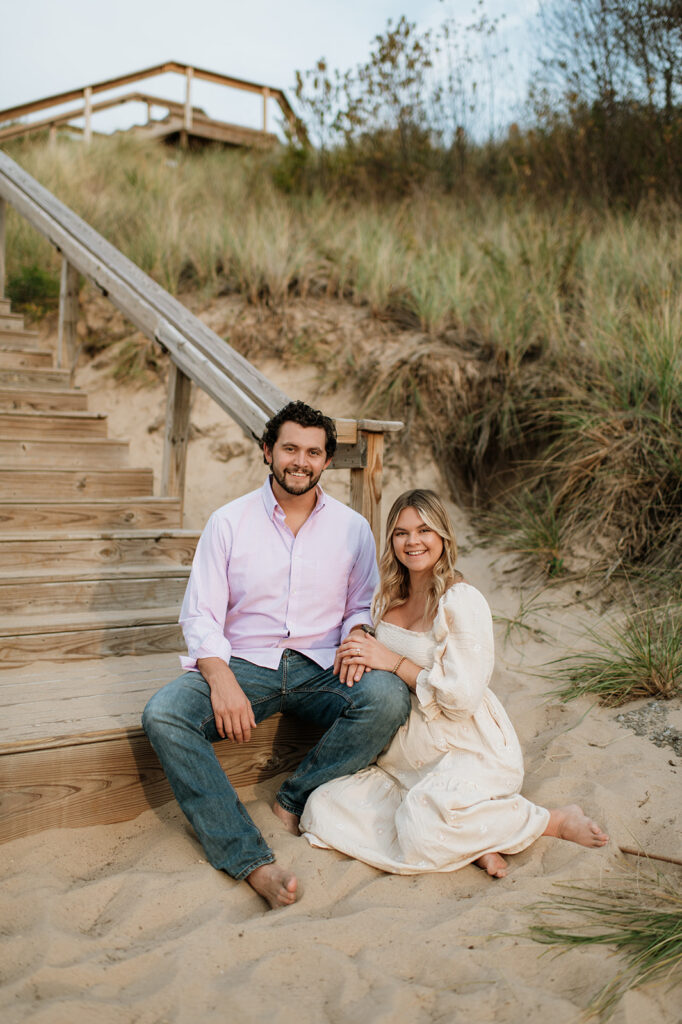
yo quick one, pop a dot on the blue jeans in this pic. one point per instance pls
(360, 720)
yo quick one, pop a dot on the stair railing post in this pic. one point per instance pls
(67, 326)
(366, 483)
(266, 95)
(187, 121)
(177, 434)
(3, 210)
(87, 96)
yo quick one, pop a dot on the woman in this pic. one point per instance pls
(446, 791)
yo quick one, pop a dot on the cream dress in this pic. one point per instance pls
(446, 789)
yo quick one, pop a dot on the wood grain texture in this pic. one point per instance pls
(48, 703)
(105, 513)
(366, 484)
(67, 339)
(82, 643)
(58, 426)
(29, 377)
(115, 778)
(113, 589)
(91, 551)
(27, 398)
(27, 484)
(88, 453)
(179, 391)
(15, 359)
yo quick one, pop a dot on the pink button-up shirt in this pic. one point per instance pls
(255, 589)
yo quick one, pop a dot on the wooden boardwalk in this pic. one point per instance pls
(183, 123)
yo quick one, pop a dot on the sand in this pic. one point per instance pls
(129, 923)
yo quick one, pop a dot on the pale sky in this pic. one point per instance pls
(49, 46)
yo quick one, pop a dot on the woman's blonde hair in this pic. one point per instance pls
(394, 578)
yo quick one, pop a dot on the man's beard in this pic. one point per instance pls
(301, 488)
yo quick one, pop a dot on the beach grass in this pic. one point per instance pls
(535, 348)
(640, 657)
(639, 917)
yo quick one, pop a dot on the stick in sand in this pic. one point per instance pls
(650, 856)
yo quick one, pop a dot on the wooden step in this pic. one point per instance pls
(56, 400)
(39, 515)
(89, 635)
(25, 599)
(20, 359)
(59, 426)
(21, 485)
(11, 321)
(29, 377)
(90, 453)
(67, 551)
(72, 751)
(16, 338)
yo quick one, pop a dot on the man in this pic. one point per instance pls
(280, 577)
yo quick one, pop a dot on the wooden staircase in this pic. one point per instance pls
(92, 573)
(93, 568)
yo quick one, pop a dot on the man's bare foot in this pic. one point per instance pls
(494, 864)
(572, 823)
(288, 819)
(274, 884)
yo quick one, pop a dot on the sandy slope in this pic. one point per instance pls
(128, 923)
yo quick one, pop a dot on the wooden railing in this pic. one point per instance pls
(12, 128)
(197, 354)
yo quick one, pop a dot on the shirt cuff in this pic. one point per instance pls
(361, 618)
(210, 648)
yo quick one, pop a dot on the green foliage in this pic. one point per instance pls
(640, 917)
(640, 658)
(33, 290)
(532, 527)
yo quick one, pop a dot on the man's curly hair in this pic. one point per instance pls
(305, 416)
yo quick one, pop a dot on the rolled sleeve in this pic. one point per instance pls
(362, 583)
(204, 608)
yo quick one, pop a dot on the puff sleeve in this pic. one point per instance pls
(463, 658)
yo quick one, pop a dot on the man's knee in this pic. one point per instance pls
(388, 694)
(181, 702)
(155, 714)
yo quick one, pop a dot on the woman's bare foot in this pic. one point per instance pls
(274, 884)
(572, 823)
(494, 864)
(288, 819)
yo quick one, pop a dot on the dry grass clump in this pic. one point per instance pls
(641, 918)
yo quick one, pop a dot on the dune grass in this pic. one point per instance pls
(642, 657)
(537, 348)
(641, 918)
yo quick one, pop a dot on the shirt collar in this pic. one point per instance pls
(272, 505)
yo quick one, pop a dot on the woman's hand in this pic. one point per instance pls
(363, 649)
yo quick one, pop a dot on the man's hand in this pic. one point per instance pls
(232, 709)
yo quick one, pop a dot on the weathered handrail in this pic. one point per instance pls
(10, 114)
(196, 352)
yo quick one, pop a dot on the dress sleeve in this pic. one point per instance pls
(463, 658)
